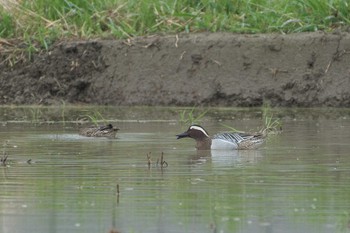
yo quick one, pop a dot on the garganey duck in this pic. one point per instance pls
(100, 131)
(223, 141)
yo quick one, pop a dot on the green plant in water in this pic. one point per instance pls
(188, 117)
(36, 114)
(63, 111)
(3, 159)
(271, 125)
(234, 130)
(96, 117)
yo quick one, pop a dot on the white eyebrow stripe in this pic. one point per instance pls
(200, 129)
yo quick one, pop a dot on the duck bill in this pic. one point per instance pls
(182, 135)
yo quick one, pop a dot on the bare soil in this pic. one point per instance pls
(211, 69)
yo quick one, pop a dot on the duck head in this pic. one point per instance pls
(199, 134)
(196, 132)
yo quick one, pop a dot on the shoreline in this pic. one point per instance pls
(201, 69)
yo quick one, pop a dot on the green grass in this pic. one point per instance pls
(38, 24)
(96, 117)
(190, 116)
(270, 124)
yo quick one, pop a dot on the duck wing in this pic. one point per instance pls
(238, 137)
(105, 127)
(230, 137)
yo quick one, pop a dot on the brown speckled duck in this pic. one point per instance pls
(100, 131)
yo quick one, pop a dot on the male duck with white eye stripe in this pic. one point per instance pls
(223, 141)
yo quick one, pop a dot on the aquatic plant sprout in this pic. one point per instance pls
(188, 116)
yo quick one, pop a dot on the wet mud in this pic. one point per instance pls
(205, 69)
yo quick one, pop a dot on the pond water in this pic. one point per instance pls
(57, 181)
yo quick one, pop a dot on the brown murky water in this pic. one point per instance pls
(57, 181)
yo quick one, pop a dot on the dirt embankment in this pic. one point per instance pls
(214, 69)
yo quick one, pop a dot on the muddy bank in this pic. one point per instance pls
(223, 69)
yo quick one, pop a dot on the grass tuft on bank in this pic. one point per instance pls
(38, 24)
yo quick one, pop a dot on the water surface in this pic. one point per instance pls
(58, 181)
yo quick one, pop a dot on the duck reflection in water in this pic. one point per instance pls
(228, 158)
